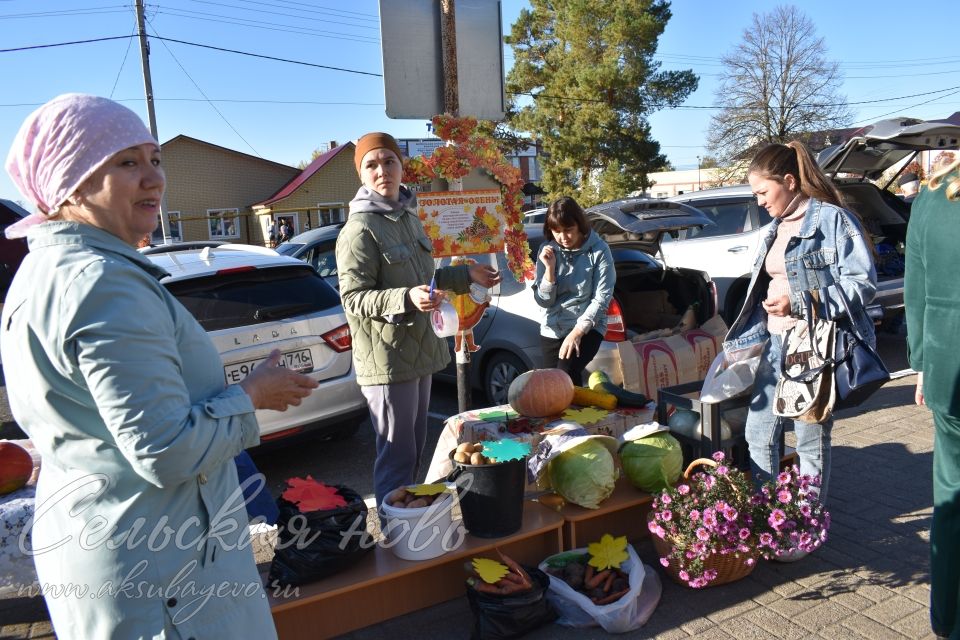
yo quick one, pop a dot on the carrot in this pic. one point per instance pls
(609, 581)
(613, 597)
(597, 579)
(483, 587)
(527, 582)
(507, 589)
(588, 575)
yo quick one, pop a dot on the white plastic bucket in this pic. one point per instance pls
(422, 533)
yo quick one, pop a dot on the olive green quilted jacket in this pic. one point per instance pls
(382, 252)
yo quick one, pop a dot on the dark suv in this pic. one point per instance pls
(12, 252)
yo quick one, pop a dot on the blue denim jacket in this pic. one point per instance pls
(828, 251)
(582, 292)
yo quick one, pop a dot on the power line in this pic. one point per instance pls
(122, 62)
(259, 24)
(287, 14)
(212, 106)
(802, 104)
(62, 44)
(258, 55)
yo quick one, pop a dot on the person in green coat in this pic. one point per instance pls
(932, 298)
(389, 287)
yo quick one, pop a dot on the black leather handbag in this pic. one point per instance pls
(858, 369)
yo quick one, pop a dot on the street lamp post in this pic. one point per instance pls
(699, 188)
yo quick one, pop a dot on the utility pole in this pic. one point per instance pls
(699, 188)
(451, 105)
(148, 90)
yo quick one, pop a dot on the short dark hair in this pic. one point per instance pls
(565, 212)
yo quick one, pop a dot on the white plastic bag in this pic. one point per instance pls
(626, 614)
(731, 374)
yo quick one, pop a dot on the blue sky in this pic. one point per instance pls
(282, 111)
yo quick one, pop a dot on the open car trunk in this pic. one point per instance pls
(884, 216)
(653, 299)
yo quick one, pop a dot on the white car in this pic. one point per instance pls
(251, 301)
(726, 248)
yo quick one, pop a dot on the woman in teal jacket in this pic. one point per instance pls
(574, 285)
(932, 297)
(140, 528)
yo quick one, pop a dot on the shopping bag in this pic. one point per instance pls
(858, 369)
(628, 613)
(806, 388)
(731, 374)
(501, 617)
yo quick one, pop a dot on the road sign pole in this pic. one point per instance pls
(451, 105)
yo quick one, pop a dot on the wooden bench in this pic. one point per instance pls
(624, 513)
(382, 586)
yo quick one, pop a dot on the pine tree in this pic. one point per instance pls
(583, 83)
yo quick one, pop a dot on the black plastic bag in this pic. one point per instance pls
(499, 617)
(317, 544)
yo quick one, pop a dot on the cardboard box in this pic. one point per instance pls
(650, 365)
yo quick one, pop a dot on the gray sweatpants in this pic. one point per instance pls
(398, 412)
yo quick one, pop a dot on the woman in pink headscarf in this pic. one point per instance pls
(140, 527)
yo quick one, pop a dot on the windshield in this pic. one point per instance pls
(224, 301)
(289, 248)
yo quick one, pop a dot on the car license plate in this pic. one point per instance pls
(300, 361)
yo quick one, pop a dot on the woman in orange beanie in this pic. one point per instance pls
(386, 270)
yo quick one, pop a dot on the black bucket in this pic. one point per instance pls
(491, 496)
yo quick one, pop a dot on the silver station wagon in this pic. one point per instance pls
(251, 301)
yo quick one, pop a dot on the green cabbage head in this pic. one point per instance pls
(652, 463)
(583, 474)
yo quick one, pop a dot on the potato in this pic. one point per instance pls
(395, 496)
(462, 457)
(477, 458)
(465, 447)
(417, 503)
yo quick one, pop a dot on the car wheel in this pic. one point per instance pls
(502, 368)
(345, 430)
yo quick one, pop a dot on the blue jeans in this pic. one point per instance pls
(764, 428)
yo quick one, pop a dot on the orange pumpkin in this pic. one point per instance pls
(540, 393)
(16, 465)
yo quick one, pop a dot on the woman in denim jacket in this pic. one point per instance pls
(813, 244)
(575, 278)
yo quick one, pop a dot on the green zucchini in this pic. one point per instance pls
(600, 381)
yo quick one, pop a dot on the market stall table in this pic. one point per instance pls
(382, 586)
(497, 423)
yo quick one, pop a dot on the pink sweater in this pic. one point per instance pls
(774, 264)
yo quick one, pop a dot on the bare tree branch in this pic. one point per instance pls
(777, 85)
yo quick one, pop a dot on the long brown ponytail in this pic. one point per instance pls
(775, 161)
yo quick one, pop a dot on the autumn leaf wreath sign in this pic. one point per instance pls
(463, 223)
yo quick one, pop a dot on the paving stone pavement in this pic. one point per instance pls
(871, 579)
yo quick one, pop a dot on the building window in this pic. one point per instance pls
(330, 214)
(224, 223)
(176, 229)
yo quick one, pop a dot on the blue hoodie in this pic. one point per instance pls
(585, 277)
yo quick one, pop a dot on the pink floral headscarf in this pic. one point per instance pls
(63, 143)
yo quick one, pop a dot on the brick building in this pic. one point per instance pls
(317, 196)
(210, 190)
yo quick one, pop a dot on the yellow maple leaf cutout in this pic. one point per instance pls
(427, 489)
(587, 415)
(609, 553)
(490, 571)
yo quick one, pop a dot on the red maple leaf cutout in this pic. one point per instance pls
(310, 495)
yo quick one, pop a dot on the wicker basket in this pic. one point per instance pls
(729, 568)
